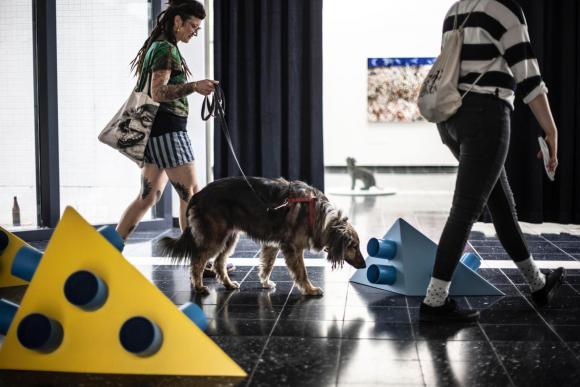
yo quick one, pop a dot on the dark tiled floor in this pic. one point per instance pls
(357, 335)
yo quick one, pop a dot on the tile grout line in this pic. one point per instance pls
(485, 334)
(251, 377)
(241, 282)
(341, 339)
(501, 363)
(559, 248)
(495, 352)
(550, 327)
(415, 341)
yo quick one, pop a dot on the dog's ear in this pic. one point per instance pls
(336, 245)
(336, 254)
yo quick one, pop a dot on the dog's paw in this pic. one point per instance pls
(232, 285)
(315, 292)
(268, 284)
(204, 290)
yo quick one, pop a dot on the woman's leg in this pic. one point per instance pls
(478, 136)
(505, 219)
(153, 182)
(502, 207)
(482, 140)
(184, 179)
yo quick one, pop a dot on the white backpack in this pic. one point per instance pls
(439, 97)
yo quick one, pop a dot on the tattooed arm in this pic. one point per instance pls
(162, 92)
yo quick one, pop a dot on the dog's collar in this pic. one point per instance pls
(311, 207)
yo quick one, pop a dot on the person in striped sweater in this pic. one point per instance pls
(497, 44)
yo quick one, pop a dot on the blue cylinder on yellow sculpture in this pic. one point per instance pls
(86, 290)
(113, 237)
(195, 314)
(40, 333)
(381, 248)
(141, 336)
(7, 312)
(25, 262)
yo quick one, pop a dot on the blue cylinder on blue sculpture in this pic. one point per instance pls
(382, 274)
(112, 236)
(195, 314)
(86, 290)
(141, 336)
(25, 262)
(471, 260)
(40, 333)
(381, 248)
(7, 312)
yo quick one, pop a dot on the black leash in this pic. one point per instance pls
(216, 106)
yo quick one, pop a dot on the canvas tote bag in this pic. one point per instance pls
(439, 97)
(128, 131)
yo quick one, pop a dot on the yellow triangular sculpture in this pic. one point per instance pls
(91, 338)
(6, 259)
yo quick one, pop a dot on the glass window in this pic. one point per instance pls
(17, 132)
(96, 41)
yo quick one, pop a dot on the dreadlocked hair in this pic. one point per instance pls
(164, 27)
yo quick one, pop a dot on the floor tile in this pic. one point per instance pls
(298, 362)
(498, 332)
(357, 329)
(539, 363)
(308, 328)
(443, 372)
(388, 362)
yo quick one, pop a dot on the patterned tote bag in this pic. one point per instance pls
(128, 131)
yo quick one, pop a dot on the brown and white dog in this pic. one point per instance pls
(304, 219)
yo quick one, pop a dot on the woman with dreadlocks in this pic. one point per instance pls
(168, 154)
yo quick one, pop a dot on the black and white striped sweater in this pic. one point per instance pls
(496, 30)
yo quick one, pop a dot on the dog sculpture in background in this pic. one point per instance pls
(357, 173)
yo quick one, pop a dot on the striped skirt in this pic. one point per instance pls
(169, 150)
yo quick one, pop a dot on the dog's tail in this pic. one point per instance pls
(181, 249)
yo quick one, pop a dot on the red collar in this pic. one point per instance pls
(311, 208)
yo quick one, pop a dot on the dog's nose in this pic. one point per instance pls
(362, 265)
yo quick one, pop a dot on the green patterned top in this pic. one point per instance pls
(162, 55)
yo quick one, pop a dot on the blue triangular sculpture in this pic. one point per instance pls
(409, 270)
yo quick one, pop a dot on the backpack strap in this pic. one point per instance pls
(466, 18)
(146, 65)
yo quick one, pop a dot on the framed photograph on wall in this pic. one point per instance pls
(393, 88)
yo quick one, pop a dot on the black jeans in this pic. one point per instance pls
(478, 135)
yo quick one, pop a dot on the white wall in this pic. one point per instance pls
(353, 32)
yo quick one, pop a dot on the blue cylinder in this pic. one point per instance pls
(40, 333)
(141, 336)
(25, 262)
(113, 237)
(381, 248)
(3, 241)
(195, 314)
(7, 312)
(382, 274)
(471, 260)
(85, 290)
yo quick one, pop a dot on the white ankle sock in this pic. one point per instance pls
(535, 278)
(437, 292)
